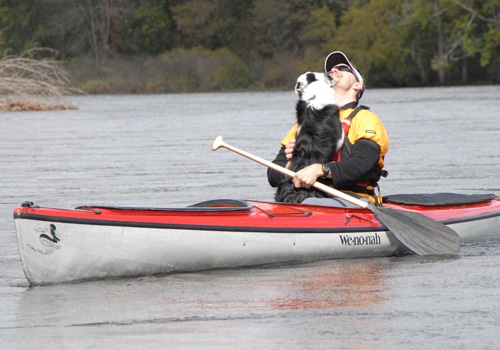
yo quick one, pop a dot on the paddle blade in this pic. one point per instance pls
(418, 233)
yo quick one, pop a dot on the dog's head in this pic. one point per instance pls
(307, 78)
(316, 89)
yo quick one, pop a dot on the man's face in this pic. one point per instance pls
(340, 71)
(342, 76)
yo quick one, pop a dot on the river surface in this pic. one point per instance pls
(155, 150)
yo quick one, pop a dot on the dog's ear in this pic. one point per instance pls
(301, 83)
(311, 77)
(299, 88)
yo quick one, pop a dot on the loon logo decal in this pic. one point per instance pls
(48, 239)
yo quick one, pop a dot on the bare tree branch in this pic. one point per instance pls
(493, 20)
(26, 78)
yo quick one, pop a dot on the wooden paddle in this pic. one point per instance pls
(420, 234)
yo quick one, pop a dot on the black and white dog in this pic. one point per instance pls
(319, 135)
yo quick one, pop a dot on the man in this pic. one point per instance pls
(358, 165)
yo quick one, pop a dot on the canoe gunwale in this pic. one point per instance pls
(91, 222)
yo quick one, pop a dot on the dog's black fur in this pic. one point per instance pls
(319, 135)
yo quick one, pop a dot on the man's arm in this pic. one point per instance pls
(364, 155)
(273, 177)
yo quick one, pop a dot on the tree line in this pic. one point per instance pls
(211, 45)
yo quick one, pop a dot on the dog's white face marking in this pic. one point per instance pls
(316, 89)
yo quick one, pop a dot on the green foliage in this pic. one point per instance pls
(374, 37)
(318, 31)
(208, 45)
(233, 74)
(492, 44)
(201, 69)
(152, 26)
(484, 37)
(193, 19)
(21, 24)
(178, 70)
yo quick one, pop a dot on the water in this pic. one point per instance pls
(155, 151)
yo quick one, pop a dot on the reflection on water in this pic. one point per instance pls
(248, 293)
(360, 303)
(354, 285)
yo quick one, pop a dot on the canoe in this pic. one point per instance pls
(95, 242)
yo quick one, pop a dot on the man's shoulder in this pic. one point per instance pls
(291, 134)
(367, 114)
(367, 124)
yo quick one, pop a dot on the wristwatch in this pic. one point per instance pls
(326, 169)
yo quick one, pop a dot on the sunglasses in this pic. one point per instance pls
(343, 68)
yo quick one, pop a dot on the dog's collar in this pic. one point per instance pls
(349, 105)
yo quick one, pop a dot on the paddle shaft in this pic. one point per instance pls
(418, 233)
(219, 142)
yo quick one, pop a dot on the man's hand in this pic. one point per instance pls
(289, 149)
(307, 176)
